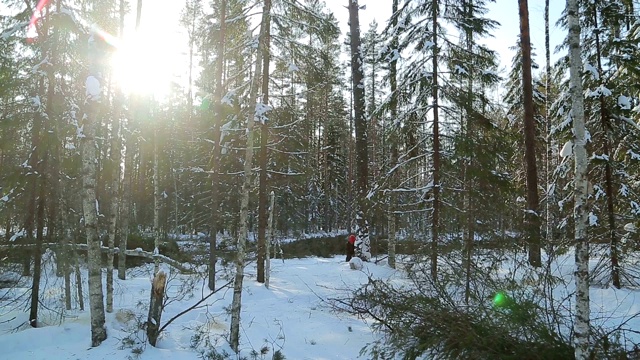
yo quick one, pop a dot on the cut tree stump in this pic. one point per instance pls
(155, 307)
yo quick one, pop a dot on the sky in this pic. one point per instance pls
(503, 11)
(167, 42)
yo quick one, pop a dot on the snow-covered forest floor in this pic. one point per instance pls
(293, 315)
(290, 316)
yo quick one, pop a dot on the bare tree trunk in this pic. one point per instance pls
(125, 209)
(79, 291)
(234, 337)
(469, 183)
(66, 235)
(393, 81)
(114, 186)
(580, 211)
(37, 254)
(435, 226)
(34, 159)
(267, 266)
(363, 243)
(532, 217)
(264, 126)
(550, 191)
(610, 194)
(90, 202)
(215, 176)
(138, 14)
(115, 202)
(127, 186)
(156, 202)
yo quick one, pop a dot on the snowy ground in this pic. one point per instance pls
(289, 316)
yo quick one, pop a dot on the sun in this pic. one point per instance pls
(143, 65)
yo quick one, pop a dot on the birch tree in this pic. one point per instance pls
(254, 115)
(580, 211)
(93, 91)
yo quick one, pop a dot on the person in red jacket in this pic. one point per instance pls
(351, 247)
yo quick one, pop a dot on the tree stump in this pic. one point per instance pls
(155, 307)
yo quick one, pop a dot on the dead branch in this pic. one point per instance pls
(193, 306)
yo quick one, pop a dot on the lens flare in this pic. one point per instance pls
(500, 299)
(31, 29)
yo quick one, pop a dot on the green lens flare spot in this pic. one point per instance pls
(500, 299)
(205, 104)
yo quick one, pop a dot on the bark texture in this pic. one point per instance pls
(234, 337)
(155, 307)
(267, 265)
(363, 243)
(393, 82)
(580, 211)
(215, 176)
(435, 225)
(532, 218)
(90, 205)
(264, 127)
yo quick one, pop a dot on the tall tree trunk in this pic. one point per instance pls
(215, 176)
(156, 202)
(114, 192)
(550, 223)
(79, 291)
(363, 243)
(234, 337)
(66, 237)
(34, 165)
(114, 178)
(128, 173)
(580, 211)
(393, 104)
(264, 137)
(435, 226)
(606, 148)
(138, 14)
(469, 183)
(37, 254)
(532, 217)
(90, 201)
(269, 239)
(125, 209)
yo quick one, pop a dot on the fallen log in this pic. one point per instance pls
(129, 252)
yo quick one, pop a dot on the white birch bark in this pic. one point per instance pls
(580, 211)
(90, 204)
(234, 337)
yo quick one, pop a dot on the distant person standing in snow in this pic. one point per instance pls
(351, 247)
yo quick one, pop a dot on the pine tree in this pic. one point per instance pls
(363, 246)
